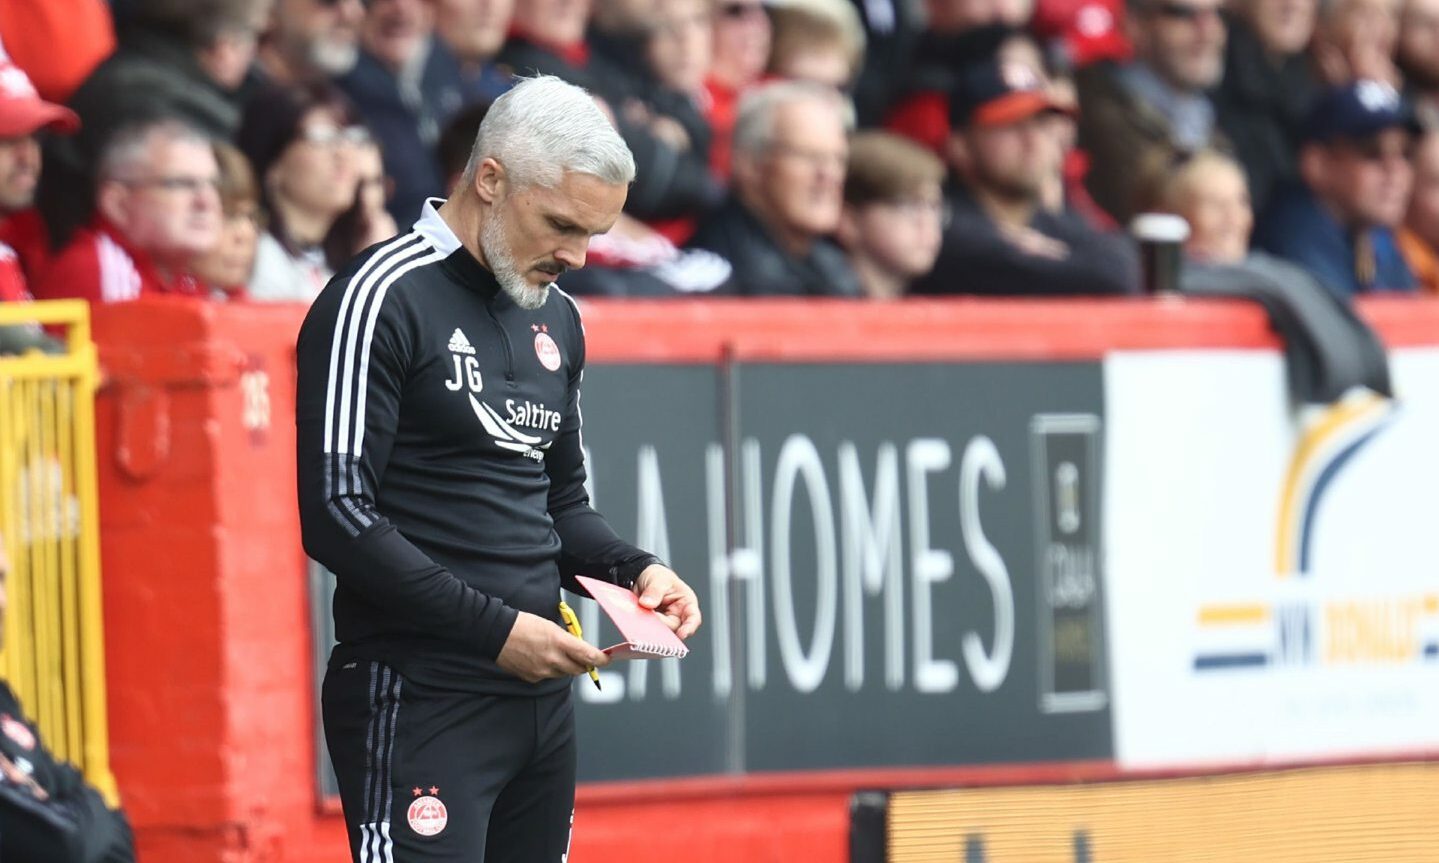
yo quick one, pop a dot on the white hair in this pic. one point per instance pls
(754, 123)
(545, 126)
(129, 146)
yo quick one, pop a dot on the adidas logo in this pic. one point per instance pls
(461, 345)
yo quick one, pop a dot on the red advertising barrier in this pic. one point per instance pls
(206, 603)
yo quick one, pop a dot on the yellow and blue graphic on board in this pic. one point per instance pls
(1305, 628)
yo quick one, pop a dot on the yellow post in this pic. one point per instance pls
(54, 650)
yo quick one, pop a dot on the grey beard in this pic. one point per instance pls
(333, 58)
(492, 243)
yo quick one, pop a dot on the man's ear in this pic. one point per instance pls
(110, 199)
(491, 182)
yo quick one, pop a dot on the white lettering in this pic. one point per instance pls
(717, 611)
(872, 561)
(981, 459)
(799, 458)
(927, 565)
(532, 415)
(749, 552)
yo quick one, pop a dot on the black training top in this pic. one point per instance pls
(441, 471)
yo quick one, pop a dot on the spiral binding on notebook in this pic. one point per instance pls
(659, 650)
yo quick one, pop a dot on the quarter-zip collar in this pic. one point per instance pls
(458, 261)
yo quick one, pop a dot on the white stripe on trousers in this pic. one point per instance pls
(375, 843)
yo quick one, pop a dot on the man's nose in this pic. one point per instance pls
(573, 255)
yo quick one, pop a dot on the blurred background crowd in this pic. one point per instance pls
(243, 150)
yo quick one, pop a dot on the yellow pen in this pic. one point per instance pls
(572, 623)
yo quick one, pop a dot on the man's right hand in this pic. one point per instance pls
(538, 649)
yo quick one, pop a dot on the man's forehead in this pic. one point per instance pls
(583, 199)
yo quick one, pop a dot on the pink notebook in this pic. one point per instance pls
(645, 635)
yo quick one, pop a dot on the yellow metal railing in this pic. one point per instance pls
(53, 655)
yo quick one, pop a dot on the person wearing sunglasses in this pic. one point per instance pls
(1356, 171)
(1157, 104)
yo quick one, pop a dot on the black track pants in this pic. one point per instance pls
(429, 775)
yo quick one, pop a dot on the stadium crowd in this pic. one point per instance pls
(242, 150)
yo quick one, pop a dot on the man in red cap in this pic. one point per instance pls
(24, 247)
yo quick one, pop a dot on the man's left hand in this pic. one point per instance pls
(658, 587)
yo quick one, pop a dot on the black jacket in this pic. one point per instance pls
(1262, 109)
(72, 825)
(407, 124)
(441, 475)
(977, 259)
(763, 269)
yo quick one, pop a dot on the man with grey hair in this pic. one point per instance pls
(308, 40)
(442, 480)
(790, 152)
(1142, 113)
(157, 209)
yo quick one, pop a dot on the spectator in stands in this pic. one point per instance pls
(157, 209)
(617, 32)
(677, 48)
(1155, 104)
(1268, 88)
(790, 152)
(225, 270)
(1355, 168)
(957, 34)
(817, 40)
(406, 86)
(299, 141)
(1328, 350)
(475, 32)
(891, 29)
(672, 183)
(1355, 39)
(742, 37)
(1419, 238)
(181, 58)
(1079, 33)
(1418, 56)
(367, 221)
(48, 812)
(309, 40)
(630, 260)
(24, 116)
(1001, 239)
(892, 221)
